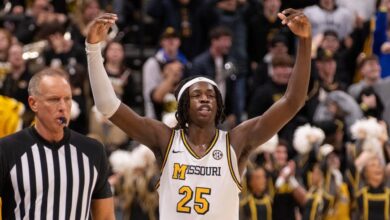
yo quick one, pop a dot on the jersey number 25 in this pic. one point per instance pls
(201, 205)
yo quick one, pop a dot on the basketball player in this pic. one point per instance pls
(201, 166)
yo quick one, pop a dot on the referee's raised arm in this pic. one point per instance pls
(149, 132)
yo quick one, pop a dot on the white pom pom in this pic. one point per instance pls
(366, 128)
(144, 155)
(75, 110)
(373, 145)
(169, 119)
(325, 150)
(269, 146)
(121, 161)
(305, 136)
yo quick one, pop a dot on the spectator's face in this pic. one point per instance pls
(40, 6)
(203, 103)
(57, 40)
(281, 74)
(371, 70)
(327, 4)
(258, 181)
(374, 171)
(280, 155)
(115, 53)
(222, 44)
(91, 11)
(174, 71)
(272, 6)
(15, 56)
(171, 44)
(327, 70)
(53, 101)
(4, 42)
(333, 161)
(330, 43)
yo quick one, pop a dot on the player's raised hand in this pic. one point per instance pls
(99, 28)
(298, 23)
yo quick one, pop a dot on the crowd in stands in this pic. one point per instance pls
(335, 151)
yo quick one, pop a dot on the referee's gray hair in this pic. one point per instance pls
(35, 80)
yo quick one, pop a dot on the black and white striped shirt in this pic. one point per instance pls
(42, 180)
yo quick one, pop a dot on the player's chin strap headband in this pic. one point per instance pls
(192, 82)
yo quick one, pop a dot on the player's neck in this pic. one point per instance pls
(47, 134)
(200, 136)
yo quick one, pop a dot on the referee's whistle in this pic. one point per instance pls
(63, 120)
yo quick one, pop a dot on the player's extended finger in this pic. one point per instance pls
(107, 18)
(282, 17)
(289, 11)
(294, 17)
(108, 15)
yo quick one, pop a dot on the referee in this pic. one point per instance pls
(49, 171)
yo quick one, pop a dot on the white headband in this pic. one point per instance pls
(192, 82)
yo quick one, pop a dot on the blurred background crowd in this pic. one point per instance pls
(335, 150)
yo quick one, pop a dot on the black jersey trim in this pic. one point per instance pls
(46, 143)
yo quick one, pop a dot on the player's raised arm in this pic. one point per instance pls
(254, 132)
(149, 132)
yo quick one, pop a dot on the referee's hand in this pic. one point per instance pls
(99, 27)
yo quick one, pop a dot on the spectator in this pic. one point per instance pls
(318, 200)
(326, 66)
(363, 9)
(263, 28)
(323, 82)
(263, 71)
(161, 73)
(341, 106)
(11, 112)
(181, 15)
(235, 15)
(370, 103)
(82, 17)
(40, 13)
(62, 51)
(16, 82)
(374, 177)
(215, 63)
(381, 44)
(370, 70)
(328, 16)
(344, 50)
(258, 204)
(329, 42)
(5, 43)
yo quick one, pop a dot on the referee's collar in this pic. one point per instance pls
(53, 145)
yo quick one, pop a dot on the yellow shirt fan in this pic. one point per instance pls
(11, 112)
